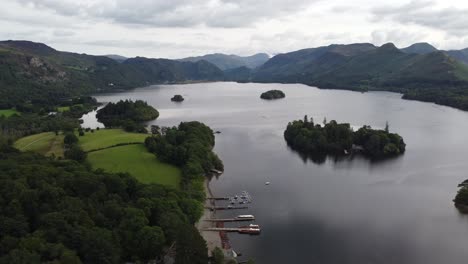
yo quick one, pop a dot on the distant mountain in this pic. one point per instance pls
(36, 72)
(307, 63)
(238, 74)
(461, 55)
(434, 77)
(117, 58)
(419, 48)
(226, 62)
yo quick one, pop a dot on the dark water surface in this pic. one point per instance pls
(347, 211)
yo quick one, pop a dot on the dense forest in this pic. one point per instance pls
(190, 147)
(461, 199)
(62, 212)
(127, 114)
(333, 138)
(272, 94)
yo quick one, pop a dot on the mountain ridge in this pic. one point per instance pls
(227, 62)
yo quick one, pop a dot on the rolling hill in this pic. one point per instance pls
(416, 72)
(419, 48)
(36, 72)
(227, 62)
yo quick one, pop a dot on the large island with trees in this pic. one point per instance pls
(334, 138)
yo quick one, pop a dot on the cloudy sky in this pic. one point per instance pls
(179, 28)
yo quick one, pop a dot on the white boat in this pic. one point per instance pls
(267, 183)
(245, 216)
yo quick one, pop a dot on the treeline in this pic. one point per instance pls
(337, 139)
(61, 212)
(127, 114)
(190, 147)
(18, 126)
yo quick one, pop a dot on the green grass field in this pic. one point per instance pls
(44, 143)
(62, 109)
(136, 160)
(8, 112)
(104, 138)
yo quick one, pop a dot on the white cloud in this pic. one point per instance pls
(179, 28)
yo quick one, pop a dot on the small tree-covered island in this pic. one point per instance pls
(461, 199)
(272, 94)
(333, 138)
(127, 114)
(177, 98)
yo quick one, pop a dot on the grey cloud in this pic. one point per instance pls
(175, 13)
(63, 33)
(453, 21)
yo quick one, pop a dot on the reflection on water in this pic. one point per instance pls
(90, 120)
(347, 211)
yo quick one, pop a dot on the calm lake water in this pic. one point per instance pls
(340, 211)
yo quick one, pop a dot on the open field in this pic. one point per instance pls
(63, 109)
(104, 138)
(44, 143)
(136, 160)
(8, 112)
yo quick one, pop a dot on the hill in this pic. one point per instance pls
(36, 72)
(294, 66)
(434, 77)
(227, 62)
(116, 57)
(419, 48)
(461, 55)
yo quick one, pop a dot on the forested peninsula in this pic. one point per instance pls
(127, 114)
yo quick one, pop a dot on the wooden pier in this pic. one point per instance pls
(230, 219)
(217, 198)
(251, 231)
(213, 208)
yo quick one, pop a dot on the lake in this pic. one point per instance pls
(340, 211)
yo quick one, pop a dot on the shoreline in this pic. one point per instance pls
(212, 239)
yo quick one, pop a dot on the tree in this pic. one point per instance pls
(218, 256)
(75, 153)
(155, 130)
(70, 139)
(386, 127)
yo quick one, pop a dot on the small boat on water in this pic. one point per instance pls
(250, 231)
(267, 183)
(245, 217)
(251, 226)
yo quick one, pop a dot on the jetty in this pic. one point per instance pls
(229, 207)
(250, 231)
(239, 218)
(218, 198)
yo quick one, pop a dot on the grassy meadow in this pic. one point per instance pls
(8, 112)
(104, 138)
(136, 160)
(44, 143)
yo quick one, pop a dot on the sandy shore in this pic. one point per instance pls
(212, 239)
